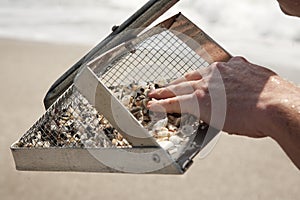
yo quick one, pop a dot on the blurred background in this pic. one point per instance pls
(253, 28)
(39, 40)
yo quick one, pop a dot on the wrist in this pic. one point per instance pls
(281, 109)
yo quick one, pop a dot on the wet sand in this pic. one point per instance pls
(237, 168)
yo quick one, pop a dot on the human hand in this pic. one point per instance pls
(248, 88)
(290, 7)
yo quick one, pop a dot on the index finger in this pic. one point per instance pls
(179, 104)
(190, 76)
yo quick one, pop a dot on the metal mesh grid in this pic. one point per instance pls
(160, 56)
(71, 122)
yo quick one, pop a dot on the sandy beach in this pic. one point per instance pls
(237, 168)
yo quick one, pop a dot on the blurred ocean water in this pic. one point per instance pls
(254, 28)
(87, 21)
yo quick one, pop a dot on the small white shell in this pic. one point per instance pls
(142, 83)
(162, 132)
(187, 130)
(89, 143)
(171, 127)
(173, 150)
(161, 81)
(162, 139)
(160, 123)
(175, 139)
(84, 136)
(46, 144)
(40, 144)
(166, 144)
(114, 142)
(126, 100)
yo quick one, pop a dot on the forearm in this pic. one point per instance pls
(284, 113)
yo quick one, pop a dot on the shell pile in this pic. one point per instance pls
(75, 123)
(171, 131)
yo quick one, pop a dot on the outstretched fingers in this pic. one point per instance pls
(187, 103)
(191, 76)
(174, 90)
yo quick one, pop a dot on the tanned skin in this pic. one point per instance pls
(259, 102)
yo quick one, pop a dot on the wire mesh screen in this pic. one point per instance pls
(160, 56)
(72, 122)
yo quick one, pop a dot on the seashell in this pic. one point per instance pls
(177, 122)
(119, 137)
(114, 142)
(84, 136)
(147, 92)
(146, 118)
(173, 150)
(33, 142)
(166, 144)
(135, 109)
(46, 144)
(72, 140)
(142, 84)
(144, 103)
(126, 142)
(39, 144)
(175, 139)
(20, 144)
(138, 115)
(89, 143)
(138, 103)
(134, 87)
(28, 145)
(160, 82)
(84, 101)
(161, 132)
(104, 121)
(121, 143)
(160, 123)
(126, 100)
(184, 119)
(187, 130)
(133, 93)
(162, 139)
(171, 127)
(118, 94)
(53, 127)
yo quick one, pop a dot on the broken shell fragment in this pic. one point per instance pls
(161, 123)
(166, 144)
(126, 100)
(187, 130)
(161, 132)
(175, 139)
